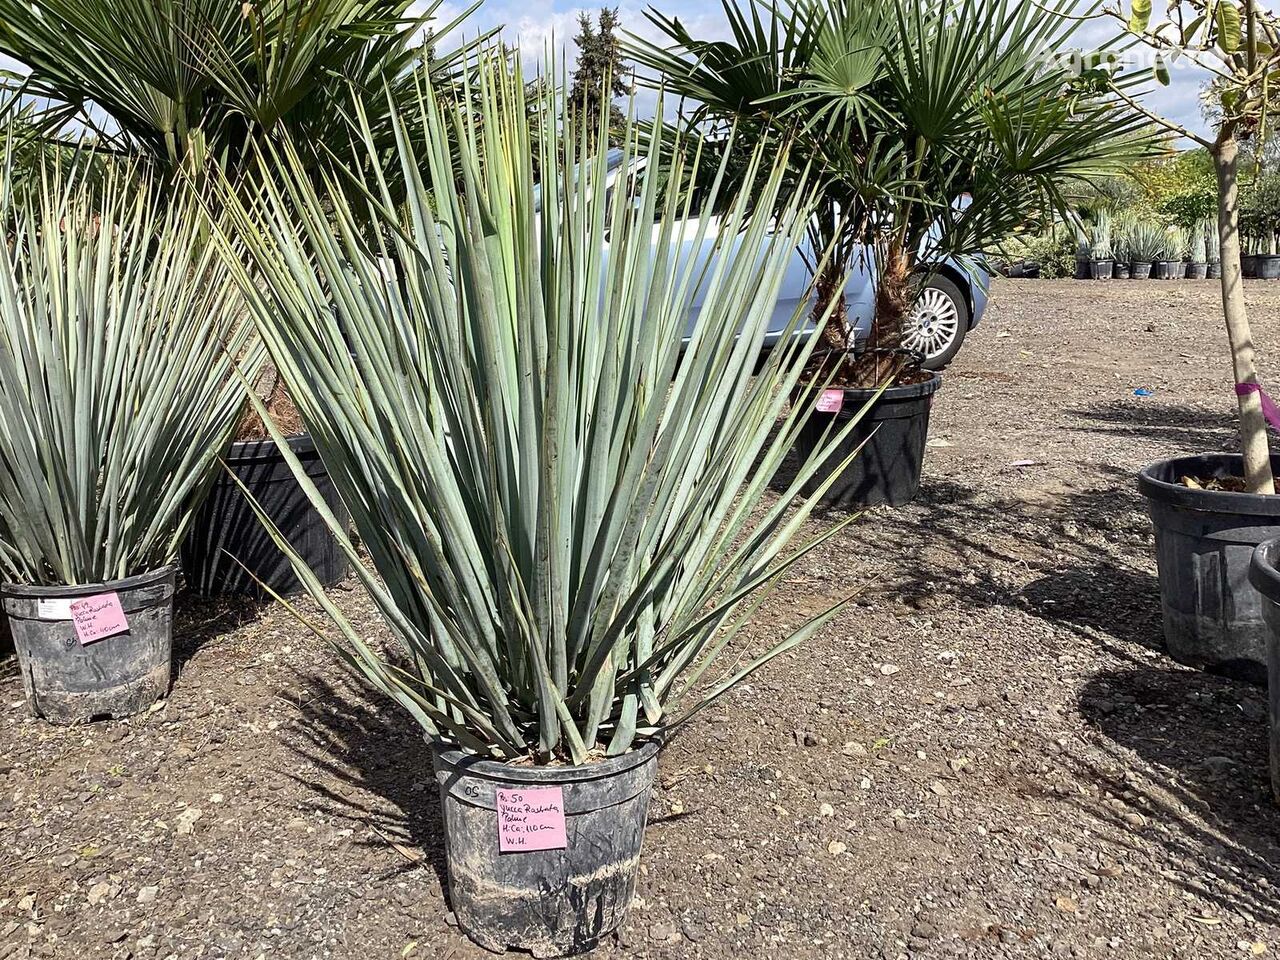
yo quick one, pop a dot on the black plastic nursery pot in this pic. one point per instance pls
(888, 468)
(1265, 577)
(1139, 270)
(1120, 270)
(225, 529)
(1100, 269)
(1168, 269)
(1213, 272)
(1197, 271)
(543, 859)
(1204, 545)
(1249, 265)
(1268, 267)
(1082, 268)
(68, 680)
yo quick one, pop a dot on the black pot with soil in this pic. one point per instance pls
(1139, 269)
(1214, 271)
(894, 430)
(228, 550)
(1167, 269)
(543, 858)
(1205, 538)
(1100, 269)
(1197, 271)
(118, 666)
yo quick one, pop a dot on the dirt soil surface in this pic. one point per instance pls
(987, 755)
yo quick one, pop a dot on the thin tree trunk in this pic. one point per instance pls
(1253, 426)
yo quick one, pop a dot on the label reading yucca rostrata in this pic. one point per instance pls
(531, 820)
(96, 618)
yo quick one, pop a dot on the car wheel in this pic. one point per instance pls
(937, 323)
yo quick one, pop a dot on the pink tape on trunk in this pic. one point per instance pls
(1269, 410)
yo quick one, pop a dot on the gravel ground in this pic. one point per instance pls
(987, 755)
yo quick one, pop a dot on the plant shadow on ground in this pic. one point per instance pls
(358, 743)
(1183, 428)
(198, 621)
(1074, 555)
(1202, 769)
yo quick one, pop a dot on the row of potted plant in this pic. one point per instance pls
(1130, 247)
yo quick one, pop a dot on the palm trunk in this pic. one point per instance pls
(830, 286)
(1253, 426)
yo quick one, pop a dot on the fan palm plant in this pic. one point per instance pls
(564, 510)
(940, 127)
(188, 82)
(114, 406)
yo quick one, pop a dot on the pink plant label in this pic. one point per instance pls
(830, 401)
(531, 820)
(98, 617)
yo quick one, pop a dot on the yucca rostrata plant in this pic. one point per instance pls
(565, 509)
(120, 331)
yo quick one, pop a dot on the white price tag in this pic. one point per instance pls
(59, 609)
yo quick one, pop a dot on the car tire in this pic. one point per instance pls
(937, 323)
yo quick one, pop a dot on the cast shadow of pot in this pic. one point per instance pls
(363, 747)
(1201, 742)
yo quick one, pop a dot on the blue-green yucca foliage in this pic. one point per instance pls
(566, 516)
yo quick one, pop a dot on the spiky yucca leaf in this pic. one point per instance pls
(567, 516)
(120, 329)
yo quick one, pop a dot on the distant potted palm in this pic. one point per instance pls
(939, 128)
(1122, 239)
(1146, 246)
(1173, 250)
(1198, 251)
(1101, 251)
(1213, 249)
(566, 508)
(120, 327)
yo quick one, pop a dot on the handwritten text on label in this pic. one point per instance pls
(98, 617)
(531, 820)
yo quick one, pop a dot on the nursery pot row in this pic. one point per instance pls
(1260, 266)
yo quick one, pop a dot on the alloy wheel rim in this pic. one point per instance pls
(932, 324)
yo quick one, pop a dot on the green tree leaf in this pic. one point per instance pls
(1228, 27)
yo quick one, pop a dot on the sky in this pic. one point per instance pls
(535, 24)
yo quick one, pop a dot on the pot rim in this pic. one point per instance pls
(472, 764)
(1263, 573)
(908, 392)
(61, 591)
(1208, 501)
(266, 449)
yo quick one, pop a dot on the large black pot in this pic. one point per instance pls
(1214, 271)
(1197, 271)
(1249, 265)
(1204, 544)
(888, 468)
(225, 526)
(1100, 269)
(508, 886)
(1140, 269)
(67, 680)
(1120, 270)
(1268, 266)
